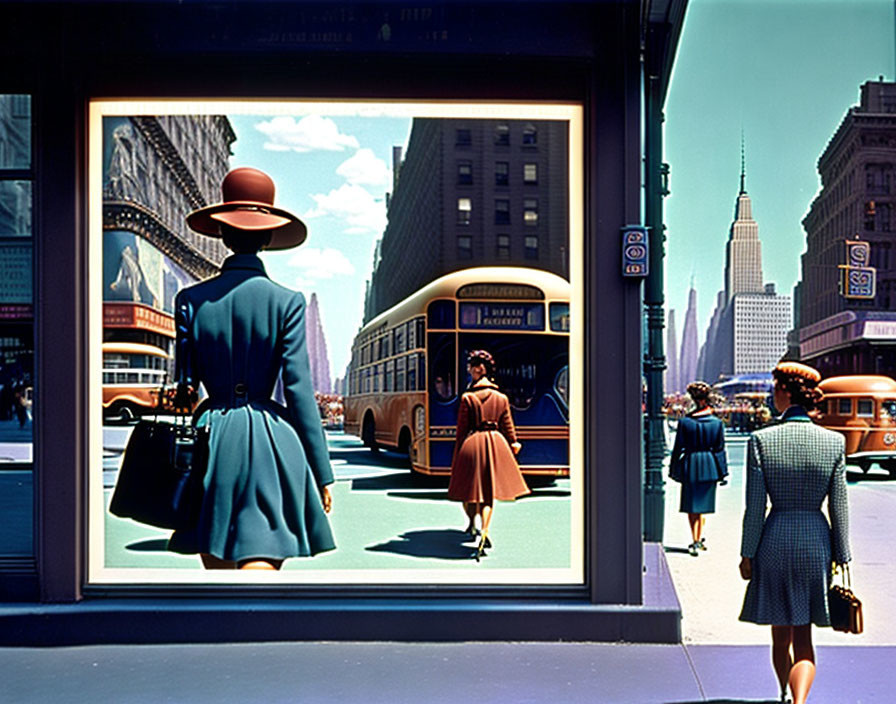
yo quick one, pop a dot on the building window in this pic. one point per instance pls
(464, 211)
(502, 211)
(463, 137)
(503, 250)
(530, 135)
(502, 173)
(502, 136)
(465, 173)
(531, 247)
(530, 173)
(530, 211)
(464, 247)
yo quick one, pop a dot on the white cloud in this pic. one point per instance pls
(353, 204)
(311, 133)
(317, 264)
(365, 168)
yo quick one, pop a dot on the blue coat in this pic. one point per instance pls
(698, 454)
(236, 334)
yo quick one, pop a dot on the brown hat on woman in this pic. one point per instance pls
(248, 204)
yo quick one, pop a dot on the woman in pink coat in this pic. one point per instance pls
(484, 467)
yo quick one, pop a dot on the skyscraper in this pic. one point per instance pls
(687, 360)
(671, 383)
(317, 348)
(743, 253)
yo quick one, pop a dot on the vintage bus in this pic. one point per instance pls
(134, 376)
(863, 408)
(408, 366)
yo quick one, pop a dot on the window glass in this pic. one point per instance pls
(441, 315)
(502, 211)
(464, 173)
(531, 247)
(400, 367)
(559, 313)
(464, 247)
(503, 247)
(464, 210)
(530, 211)
(441, 365)
(16, 329)
(502, 135)
(412, 373)
(530, 135)
(502, 173)
(464, 137)
(530, 173)
(865, 408)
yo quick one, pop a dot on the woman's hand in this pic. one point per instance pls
(746, 568)
(327, 498)
(516, 447)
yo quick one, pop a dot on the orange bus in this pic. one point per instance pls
(863, 408)
(134, 375)
(408, 366)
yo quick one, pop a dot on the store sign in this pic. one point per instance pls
(857, 279)
(502, 316)
(136, 315)
(880, 329)
(634, 250)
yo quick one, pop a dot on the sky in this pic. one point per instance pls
(783, 73)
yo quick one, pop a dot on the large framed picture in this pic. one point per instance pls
(435, 229)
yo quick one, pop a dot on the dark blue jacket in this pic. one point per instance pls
(699, 451)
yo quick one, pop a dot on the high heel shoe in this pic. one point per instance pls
(484, 543)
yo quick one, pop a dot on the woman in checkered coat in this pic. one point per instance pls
(787, 554)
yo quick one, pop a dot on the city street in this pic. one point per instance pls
(711, 590)
(383, 518)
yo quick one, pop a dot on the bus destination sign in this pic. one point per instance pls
(502, 316)
(496, 290)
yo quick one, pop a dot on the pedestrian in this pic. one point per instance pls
(267, 482)
(484, 466)
(787, 555)
(699, 462)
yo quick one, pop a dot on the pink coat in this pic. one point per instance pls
(484, 467)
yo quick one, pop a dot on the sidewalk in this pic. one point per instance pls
(428, 673)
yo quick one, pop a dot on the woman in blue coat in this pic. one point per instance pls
(267, 483)
(787, 553)
(698, 461)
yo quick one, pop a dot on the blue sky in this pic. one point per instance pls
(784, 72)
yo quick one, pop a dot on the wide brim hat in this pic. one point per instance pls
(248, 204)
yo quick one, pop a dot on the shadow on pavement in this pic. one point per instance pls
(366, 458)
(151, 545)
(669, 548)
(444, 544)
(397, 480)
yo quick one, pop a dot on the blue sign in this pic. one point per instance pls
(634, 250)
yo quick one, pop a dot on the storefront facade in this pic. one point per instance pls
(587, 56)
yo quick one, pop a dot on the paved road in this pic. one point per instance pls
(711, 590)
(384, 519)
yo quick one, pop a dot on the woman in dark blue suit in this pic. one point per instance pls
(267, 483)
(698, 461)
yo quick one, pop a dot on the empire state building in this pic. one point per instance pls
(743, 254)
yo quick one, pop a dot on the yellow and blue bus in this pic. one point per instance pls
(408, 366)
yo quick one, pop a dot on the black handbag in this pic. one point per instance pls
(844, 606)
(160, 481)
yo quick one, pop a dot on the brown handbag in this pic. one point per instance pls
(844, 606)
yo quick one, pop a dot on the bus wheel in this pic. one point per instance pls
(368, 433)
(404, 446)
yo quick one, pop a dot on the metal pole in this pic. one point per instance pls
(655, 361)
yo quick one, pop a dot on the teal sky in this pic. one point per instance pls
(784, 72)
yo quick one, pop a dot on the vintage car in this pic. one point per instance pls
(863, 408)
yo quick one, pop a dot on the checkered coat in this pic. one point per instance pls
(796, 465)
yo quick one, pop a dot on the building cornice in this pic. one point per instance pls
(136, 218)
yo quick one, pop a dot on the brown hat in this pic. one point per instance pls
(797, 369)
(248, 204)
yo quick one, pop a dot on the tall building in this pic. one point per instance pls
(748, 332)
(858, 191)
(155, 171)
(318, 358)
(473, 192)
(671, 382)
(743, 253)
(687, 360)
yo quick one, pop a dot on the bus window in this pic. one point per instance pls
(441, 315)
(400, 365)
(390, 371)
(421, 369)
(420, 324)
(412, 373)
(441, 366)
(865, 408)
(378, 379)
(561, 385)
(559, 313)
(412, 335)
(888, 409)
(844, 406)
